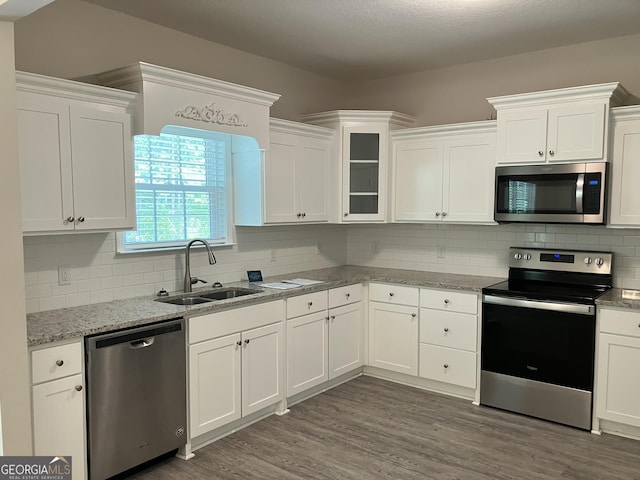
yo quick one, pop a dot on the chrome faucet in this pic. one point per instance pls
(188, 280)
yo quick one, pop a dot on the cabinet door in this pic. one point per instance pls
(522, 135)
(418, 181)
(103, 184)
(393, 337)
(313, 180)
(281, 202)
(58, 421)
(262, 366)
(307, 348)
(469, 179)
(364, 173)
(618, 386)
(214, 384)
(625, 172)
(346, 350)
(45, 164)
(576, 132)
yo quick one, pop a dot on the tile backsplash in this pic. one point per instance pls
(98, 274)
(482, 250)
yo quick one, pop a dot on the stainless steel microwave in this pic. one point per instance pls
(563, 193)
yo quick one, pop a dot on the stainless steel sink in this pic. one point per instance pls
(197, 298)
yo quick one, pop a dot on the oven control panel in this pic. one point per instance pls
(561, 260)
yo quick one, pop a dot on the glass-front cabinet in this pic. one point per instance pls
(358, 181)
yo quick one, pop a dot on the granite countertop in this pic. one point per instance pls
(69, 323)
(620, 298)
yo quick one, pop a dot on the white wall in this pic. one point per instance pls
(14, 373)
(98, 274)
(482, 250)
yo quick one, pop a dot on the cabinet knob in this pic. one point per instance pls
(81, 219)
(444, 214)
(246, 342)
(70, 219)
(391, 294)
(239, 342)
(347, 295)
(326, 318)
(413, 315)
(552, 153)
(446, 301)
(446, 365)
(437, 214)
(346, 214)
(446, 329)
(333, 317)
(59, 362)
(540, 153)
(304, 214)
(78, 388)
(298, 214)
(310, 304)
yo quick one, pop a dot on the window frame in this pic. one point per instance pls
(123, 248)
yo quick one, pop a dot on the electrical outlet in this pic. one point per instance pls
(64, 275)
(442, 251)
(273, 255)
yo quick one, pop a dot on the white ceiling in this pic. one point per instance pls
(366, 39)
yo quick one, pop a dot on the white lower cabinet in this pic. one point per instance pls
(327, 342)
(393, 328)
(232, 375)
(448, 337)
(58, 404)
(618, 381)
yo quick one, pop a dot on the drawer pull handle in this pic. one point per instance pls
(78, 388)
(446, 365)
(446, 329)
(59, 362)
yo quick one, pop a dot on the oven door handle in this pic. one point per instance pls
(540, 305)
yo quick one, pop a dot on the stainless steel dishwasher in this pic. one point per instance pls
(136, 396)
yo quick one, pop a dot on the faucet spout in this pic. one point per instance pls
(187, 269)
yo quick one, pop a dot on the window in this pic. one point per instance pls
(181, 190)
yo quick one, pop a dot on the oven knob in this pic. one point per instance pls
(527, 256)
(599, 261)
(517, 256)
(587, 260)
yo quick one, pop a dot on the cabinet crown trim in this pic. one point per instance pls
(297, 128)
(395, 119)
(484, 127)
(70, 89)
(613, 91)
(626, 113)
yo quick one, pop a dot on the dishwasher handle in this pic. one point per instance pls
(139, 337)
(145, 342)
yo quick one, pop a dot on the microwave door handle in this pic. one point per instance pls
(579, 192)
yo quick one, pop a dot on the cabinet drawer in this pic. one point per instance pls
(448, 329)
(447, 300)
(56, 362)
(309, 303)
(448, 365)
(213, 325)
(379, 292)
(620, 322)
(345, 295)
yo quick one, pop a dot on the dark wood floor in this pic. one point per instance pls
(370, 429)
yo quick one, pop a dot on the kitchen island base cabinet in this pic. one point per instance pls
(234, 374)
(618, 381)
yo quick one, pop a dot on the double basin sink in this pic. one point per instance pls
(209, 296)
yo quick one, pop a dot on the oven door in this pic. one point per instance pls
(544, 341)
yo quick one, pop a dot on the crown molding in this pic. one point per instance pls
(484, 127)
(297, 128)
(395, 119)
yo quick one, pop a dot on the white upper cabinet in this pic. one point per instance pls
(625, 168)
(76, 156)
(564, 125)
(358, 190)
(444, 173)
(294, 184)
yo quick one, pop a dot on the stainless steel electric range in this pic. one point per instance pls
(538, 334)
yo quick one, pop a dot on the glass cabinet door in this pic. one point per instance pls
(362, 169)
